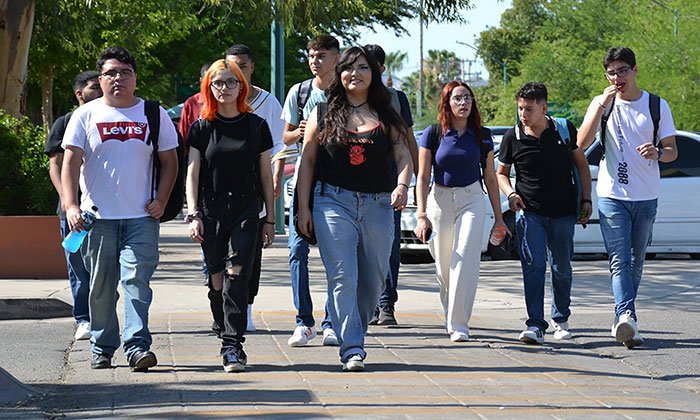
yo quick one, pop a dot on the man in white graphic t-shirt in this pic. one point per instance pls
(637, 131)
(108, 138)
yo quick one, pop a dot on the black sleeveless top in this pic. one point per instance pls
(361, 164)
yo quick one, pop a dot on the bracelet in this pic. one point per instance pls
(585, 200)
(190, 217)
(401, 183)
(601, 106)
(420, 214)
(660, 152)
(269, 222)
(512, 194)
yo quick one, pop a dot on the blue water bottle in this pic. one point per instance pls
(74, 239)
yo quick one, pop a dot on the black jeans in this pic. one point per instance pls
(230, 220)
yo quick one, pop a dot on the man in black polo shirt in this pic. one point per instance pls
(544, 201)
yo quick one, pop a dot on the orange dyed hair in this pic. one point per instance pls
(210, 104)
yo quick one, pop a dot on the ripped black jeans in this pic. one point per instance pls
(230, 220)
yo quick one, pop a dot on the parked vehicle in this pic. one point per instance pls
(677, 226)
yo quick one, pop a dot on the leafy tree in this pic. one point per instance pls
(394, 62)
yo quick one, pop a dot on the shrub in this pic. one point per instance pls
(25, 185)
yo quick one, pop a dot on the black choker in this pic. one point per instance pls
(356, 108)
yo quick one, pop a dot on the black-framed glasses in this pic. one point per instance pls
(621, 72)
(459, 99)
(112, 74)
(229, 83)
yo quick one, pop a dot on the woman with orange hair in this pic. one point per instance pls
(228, 169)
(455, 209)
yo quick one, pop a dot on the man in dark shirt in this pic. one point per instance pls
(545, 202)
(384, 313)
(86, 87)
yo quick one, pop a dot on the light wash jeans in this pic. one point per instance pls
(548, 239)
(299, 271)
(355, 232)
(126, 251)
(458, 215)
(79, 280)
(626, 227)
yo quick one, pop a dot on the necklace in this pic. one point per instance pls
(357, 108)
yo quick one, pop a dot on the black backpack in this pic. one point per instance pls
(654, 110)
(176, 200)
(303, 96)
(435, 134)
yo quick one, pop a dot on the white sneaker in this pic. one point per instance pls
(626, 328)
(561, 330)
(83, 331)
(637, 340)
(301, 336)
(329, 337)
(354, 364)
(250, 327)
(532, 335)
(459, 336)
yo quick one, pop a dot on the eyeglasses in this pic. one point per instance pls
(230, 83)
(467, 99)
(622, 72)
(112, 74)
(524, 247)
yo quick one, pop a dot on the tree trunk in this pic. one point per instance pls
(47, 97)
(16, 23)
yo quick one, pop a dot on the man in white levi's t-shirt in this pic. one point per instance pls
(628, 180)
(106, 150)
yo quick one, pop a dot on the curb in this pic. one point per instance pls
(34, 308)
(13, 391)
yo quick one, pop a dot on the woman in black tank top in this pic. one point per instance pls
(349, 142)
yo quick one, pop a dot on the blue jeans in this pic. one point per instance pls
(626, 227)
(553, 239)
(79, 280)
(299, 270)
(390, 295)
(126, 251)
(355, 232)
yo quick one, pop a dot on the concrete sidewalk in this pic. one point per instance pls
(413, 369)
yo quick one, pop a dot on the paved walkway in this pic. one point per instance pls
(413, 370)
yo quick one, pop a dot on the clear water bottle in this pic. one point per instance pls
(74, 239)
(498, 235)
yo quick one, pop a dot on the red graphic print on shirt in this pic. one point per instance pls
(122, 130)
(356, 155)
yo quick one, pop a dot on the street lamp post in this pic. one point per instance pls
(675, 16)
(505, 66)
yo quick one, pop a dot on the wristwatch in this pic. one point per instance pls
(660, 152)
(190, 217)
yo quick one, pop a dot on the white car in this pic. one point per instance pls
(677, 226)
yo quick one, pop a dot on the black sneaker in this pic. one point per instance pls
(386, 316)
(375, 317)
(141, 360)
(100, 361)
(234, 360)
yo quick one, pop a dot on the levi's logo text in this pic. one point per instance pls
(122, 130)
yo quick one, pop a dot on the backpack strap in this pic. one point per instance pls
(152, 111)
(655, 111)
(434, 135)
(562, 128)
(303, 96)
(603, 125)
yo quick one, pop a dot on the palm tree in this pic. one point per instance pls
(393, 63)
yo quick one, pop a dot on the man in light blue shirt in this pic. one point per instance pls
(301, 100)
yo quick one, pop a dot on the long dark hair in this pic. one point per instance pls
(445, 111)
(378, 98)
